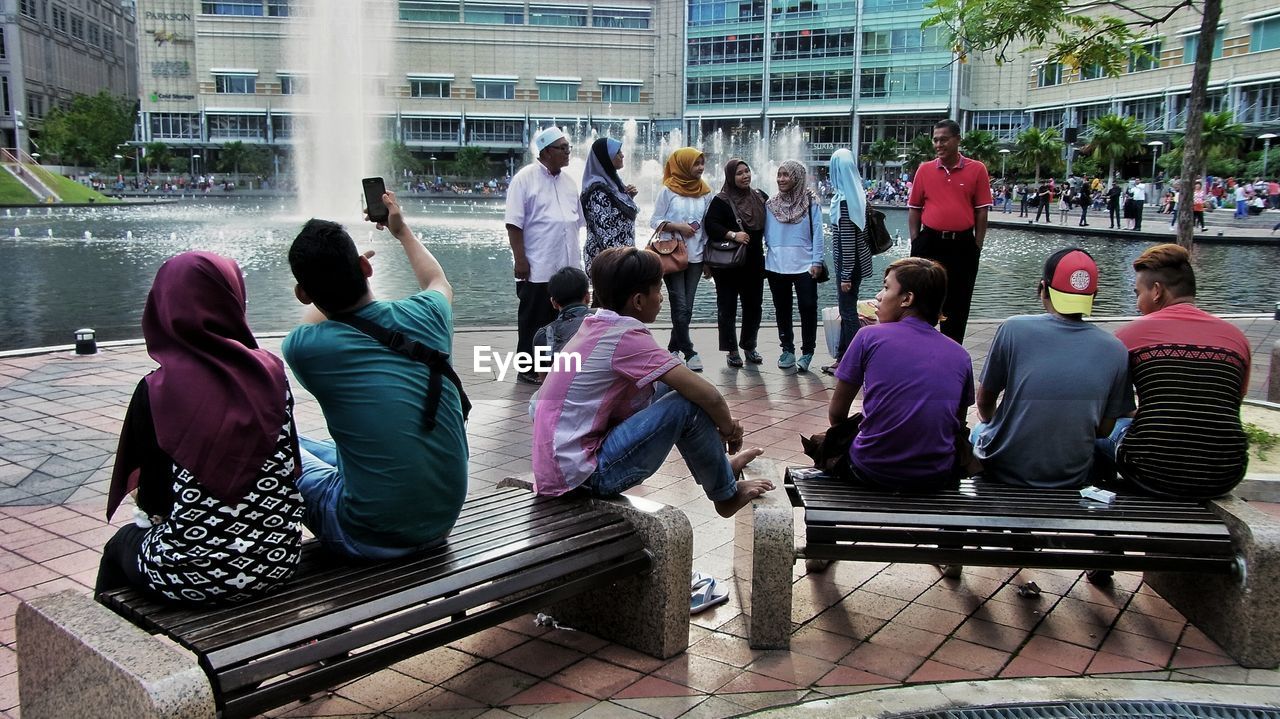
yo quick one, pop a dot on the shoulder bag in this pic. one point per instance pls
(877, 234)
(435, 360)
(722, 254)
(823, 273)
(671, 250)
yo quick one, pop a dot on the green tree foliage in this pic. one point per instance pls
(237, 157)
(1221, 134)
(1114, 139)
(882, 152)
(395, 159)
(981, 146)
(1090, 34)
(471, 163)
(919, 152)
(88, 132)
(1036, 149)
(156, 156)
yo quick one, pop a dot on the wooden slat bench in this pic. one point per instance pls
(510, 554)
(991, 524)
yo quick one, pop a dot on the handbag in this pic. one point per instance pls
(722, 254)
(823, 273)
(877, 233)
(671, 250)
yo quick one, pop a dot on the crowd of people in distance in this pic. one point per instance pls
(224, 484)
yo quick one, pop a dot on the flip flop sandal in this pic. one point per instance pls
(707, 596)
(700, 579)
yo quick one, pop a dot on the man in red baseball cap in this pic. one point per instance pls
(1052, 383)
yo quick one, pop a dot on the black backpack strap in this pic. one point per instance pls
(435, 360)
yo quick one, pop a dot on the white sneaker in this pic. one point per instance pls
(694, 362)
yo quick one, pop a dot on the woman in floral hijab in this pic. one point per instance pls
(794, 254)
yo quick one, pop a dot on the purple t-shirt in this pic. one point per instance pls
(915, 381)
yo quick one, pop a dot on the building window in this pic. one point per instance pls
(808, 86)
(430, 11)
(77, 26)
(627, 18)
(429, 88)
(279, 8)
(1191, 43)
(1005, 125)
(4, 53)
(237, 127)
(4, 96)
(619, 93)
(725, 12)
(1092, 71)
(724, 89)
(1149, 112)
(495, 89)
(494, 14)
(424, 129)
(557, 91)
(35, 106)
(723, 49)
(1148, 58)
(175, 126)
(907, 40)
(232, 7)
(885, 82)
(895, 6)
(1048, 74)
(235, 84)
(284, 127)
(1265, 35)
(814, 44)
(511, 131)
(292, 85)
(59, 15)
(108, 41)
(95, 35)
(28, 8)
(560, 15)
(795, 9)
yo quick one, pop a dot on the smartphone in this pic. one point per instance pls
(374, 189)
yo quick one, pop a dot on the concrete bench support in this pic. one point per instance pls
(768, 561)
(76, 658)
(1237, 613)
(651, 613)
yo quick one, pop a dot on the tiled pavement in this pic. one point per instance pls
(857, 627)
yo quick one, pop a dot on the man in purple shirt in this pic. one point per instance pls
(917, 385)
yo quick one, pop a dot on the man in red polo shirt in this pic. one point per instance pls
(947, 219)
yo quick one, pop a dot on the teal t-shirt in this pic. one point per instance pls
(403, 486)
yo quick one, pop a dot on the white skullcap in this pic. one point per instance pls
(546, 137)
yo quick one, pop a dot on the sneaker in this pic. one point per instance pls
(734, 359)
(694, 362)
(529, 378)
(802, 364)
(787, 360)
(677, 355)
(829, 368)
(754, 357)
(951, 571)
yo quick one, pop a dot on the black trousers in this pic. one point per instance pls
(958, 253)
(119, 565)
(1046, 209)
(1113, 211)
(745, 284)
(1137, 215)
(535, 311)
(806, 293)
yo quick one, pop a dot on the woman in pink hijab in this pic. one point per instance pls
(210, 446)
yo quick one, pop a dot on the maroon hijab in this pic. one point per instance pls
(218, 401)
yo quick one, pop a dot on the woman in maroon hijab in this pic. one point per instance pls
(210, 446)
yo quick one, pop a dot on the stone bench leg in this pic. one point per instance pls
(766, 553)
(1239, 615)
(76, 658)
(649, 613)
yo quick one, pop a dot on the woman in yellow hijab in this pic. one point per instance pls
(682, 203)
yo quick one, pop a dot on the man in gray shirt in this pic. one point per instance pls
(1064, 383)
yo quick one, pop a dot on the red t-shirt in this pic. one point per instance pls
(948, 197)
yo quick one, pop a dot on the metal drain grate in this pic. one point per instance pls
(1103, 710)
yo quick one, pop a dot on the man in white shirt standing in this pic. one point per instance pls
(543, 218)
(1139, 195)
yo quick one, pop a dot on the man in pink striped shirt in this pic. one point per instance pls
(609, 424)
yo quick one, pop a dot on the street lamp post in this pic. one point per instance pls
(1155, 146)
(1004, 155)
(433, 167)
(1266, 150)
(193, 165)
(119, 164)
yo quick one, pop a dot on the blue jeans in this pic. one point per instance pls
(681, 287)
(635, 449)
(320, 485)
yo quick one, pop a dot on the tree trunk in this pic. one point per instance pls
(1193, 151)
(1111, 171)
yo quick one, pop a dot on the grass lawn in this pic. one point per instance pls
(13, 192)
(70, 190)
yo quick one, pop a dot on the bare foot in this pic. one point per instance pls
(748, 489)
(740, 460)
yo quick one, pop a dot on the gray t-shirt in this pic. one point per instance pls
(1060, 380)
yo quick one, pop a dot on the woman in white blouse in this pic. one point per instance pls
(682, 203)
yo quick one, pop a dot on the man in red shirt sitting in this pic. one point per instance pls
(947, 219)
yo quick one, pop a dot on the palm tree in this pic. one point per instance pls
(981, 146)
(1221, 134)
(1036, 148)
(1116, 138)
(882, 151)
(157, 155)
(918, 152)
(232, 155)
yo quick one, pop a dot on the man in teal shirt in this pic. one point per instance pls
(388, 484)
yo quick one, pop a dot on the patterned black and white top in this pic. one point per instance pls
(850, 249)
(607, 224)
(203, 550)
